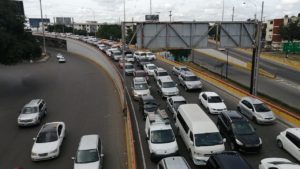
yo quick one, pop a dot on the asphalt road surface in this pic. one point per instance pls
(77, 93)
(268, 133)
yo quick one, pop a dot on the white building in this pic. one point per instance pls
(89, 26)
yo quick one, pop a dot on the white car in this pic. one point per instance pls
(160, 73)
(167, 87)
(140, 87)
(176, 70)
(90, 153)
(174, 102)
(59, 55)
(150, 56)
(62, 60)
(289, 140)
(48, 141)
(256, 110)
(189, 81)
(277, 163)
(212, 102)
(32, 113)
(139, 54)
(129, 58)
(150, 68)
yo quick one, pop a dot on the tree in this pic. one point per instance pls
(291, 31)
(130, 34)
(16, 44)
(112, 32)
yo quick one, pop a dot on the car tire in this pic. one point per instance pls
(279, 144)
(254, 120)
(239, 109)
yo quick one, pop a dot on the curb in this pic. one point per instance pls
(290, 117)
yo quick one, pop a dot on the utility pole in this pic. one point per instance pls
(256, 55)
(232, 14)
(44, 41)
(223, 11)
(170, 16)
(123, 56)
(73, 25)
(150, 7)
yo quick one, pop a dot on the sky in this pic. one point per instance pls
(111, 11)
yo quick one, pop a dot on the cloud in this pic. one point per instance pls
(290, 2)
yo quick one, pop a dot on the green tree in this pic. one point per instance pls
(16, 44)
(291, 31)
(112, 32)
(130, 34)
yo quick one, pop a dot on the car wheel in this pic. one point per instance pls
(279, 144)
(254, 119)
(239, 109)
(232, 145)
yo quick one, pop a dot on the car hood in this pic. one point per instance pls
(172, 89)
(268, 114)
(129, 70)
(93, 165)
(28, 116)
(164, 148)
(193, 83)
(142, 92)
(44, 147)
(249, 139)
(217, 105)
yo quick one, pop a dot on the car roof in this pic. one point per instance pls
(231, 160)
(160, 69)
(209, 94)
(147, 97)
(252, 100)
(139, 80)
(295, 131)
(177, 98)
(150, 64)
(187, 73)
(166, 79)
(88, 142)
(34, 103)
(175, 162)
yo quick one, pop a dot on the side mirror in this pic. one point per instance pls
(33, 138)
(73, 158)
(102, 155)
(224, 140)
(191, 143)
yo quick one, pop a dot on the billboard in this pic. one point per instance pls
(35, 22)
(63, 20)
(152, 17)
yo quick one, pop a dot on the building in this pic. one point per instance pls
(89, 26)
(36, 22)
(67, 21)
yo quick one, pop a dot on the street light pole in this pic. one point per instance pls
(150, 7)
(123, 56)
(170, 16)
(223, 11)
(44, 41)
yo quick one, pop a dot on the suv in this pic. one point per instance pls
(140, 87)
(116, 55)
(227, 160)
(176, 162)
(239, 132)
(90, 153)
(160, 136)
(32, 113)
(147, 104)
(189, 81)
(167, 87)
(159, 73)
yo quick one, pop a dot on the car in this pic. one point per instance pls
(116, 55)
(141, 62)
(32, 113)
(147, 104)
(139, 55)
(109, 51)
(150, 56)
(121, 63)
(101, 47)
(189, 81)
(89, 153)
(176, 70)
(59, 55)
(150, 68)
(141, 73)
(48, 142)
(212, 102)
(240, 134)
(175, 162)
(129, 68)
(277, 163)
(227, 160)
(129, 56)
(140, 87)
(160, 73)
(160, 136)
(62, 60)
(174, 102)
(167, 87)
(256, 110)
(289, 140)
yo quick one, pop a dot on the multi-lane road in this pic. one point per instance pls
(77, 93)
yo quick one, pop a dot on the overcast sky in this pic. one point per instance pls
(182, 10)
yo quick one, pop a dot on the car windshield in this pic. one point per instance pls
(168, 85)
(261, 108)
(184, 69)
(47, 136)
(149, 104)
(87, 156)
(163, 74)
(162, 136)
(141, 86)
(177, 104)
(208, 139)
(214, 99)
(151, 67)
(144, 60)
(29, 110)
(242, 128)
(117, 53)
(143, 54)
(129, 66)
(191, 78)
(129, 56)
(140, 74)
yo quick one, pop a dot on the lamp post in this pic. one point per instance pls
(44, 41)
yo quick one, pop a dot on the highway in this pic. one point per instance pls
(77, 93)
(268, 133)
(286, 92)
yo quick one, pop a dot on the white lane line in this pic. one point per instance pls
(138, 130)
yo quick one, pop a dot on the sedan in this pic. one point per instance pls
(212, 102)
(277, 163)
(149, 68)
(176, 70)
(48, 141)
(256, 110)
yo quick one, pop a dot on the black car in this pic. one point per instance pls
(142, 61)
(239, 132)
(147, 104)
(227, 160)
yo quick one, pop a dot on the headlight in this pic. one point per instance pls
(54, 151)
(259, 116)
(197, 154)
(238, 142)
(260, 141)
(33, 154)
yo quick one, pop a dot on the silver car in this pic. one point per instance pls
(32, 113)
(176, 162)
(174, 102)
(256, 110)
(189, 81)
(167, 87)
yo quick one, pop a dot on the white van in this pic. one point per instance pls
(199, 133)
